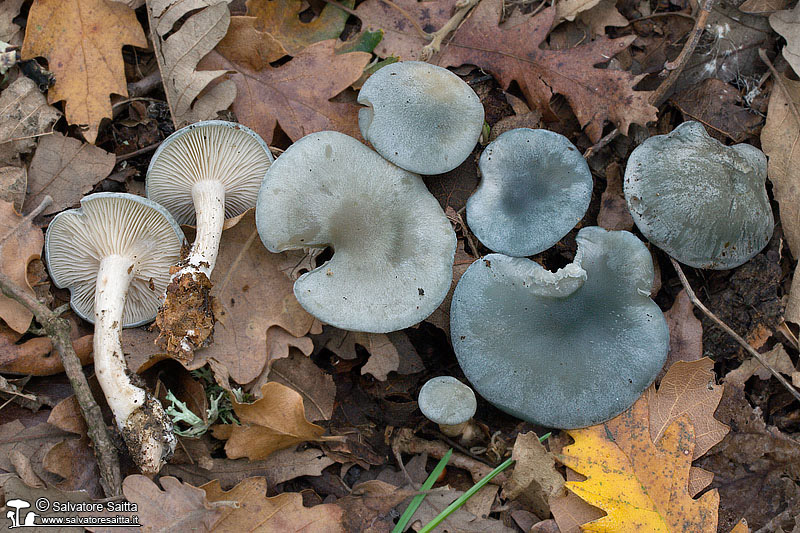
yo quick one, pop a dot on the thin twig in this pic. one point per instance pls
(659, 15)
(722, 325)
(58, 329)
(463, 7)
(424, 34)
(138, 152)
(676, 67)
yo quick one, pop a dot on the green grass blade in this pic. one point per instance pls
(417, 501)
(450, 509)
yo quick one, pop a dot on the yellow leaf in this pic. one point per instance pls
(640, 485)
(82, 41)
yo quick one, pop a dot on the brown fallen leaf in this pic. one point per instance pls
(718, 106)
(570, 512)
(569, 9)
(601, 16)
(13, 182)
(759, 7)
(296, 95)
(251, 47)
(777, 358)
(281, 20)
(82, 41)
(65, 169)
(316, 386)
(14, 488)
(274, 422)
(780, 140)
(256, 512)
(441, 317)
(787, 24)
(534, 480)
(389, 352)
(18, 247)
(10, 32)
(511, 53)
(24, 115)
(33, 439)
(614, 214)
(685, 333)
(178, 52)
(253, 296)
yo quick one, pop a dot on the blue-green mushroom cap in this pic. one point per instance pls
(535, 187)
(564, 349)
(702, 202)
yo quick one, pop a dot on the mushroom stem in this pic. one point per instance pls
(209, 205)
(146, 429)
(454, 430)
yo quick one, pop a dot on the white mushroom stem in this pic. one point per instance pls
(145, 428)
(113, 280)
(209, 206)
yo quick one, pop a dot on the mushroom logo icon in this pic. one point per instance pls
(13, 516)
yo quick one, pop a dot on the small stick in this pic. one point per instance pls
(463, 7)
(676, 67)
(58, 329)
(696, 301)
(138, 152)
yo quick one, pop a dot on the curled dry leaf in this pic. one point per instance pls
(178, 53)
(284, 512)
(569, 9)
(787, 23)
(274, 422)
(19, 245)
(780, 140)
(24, 115)
(315, 385)
(602, 15)
(82, 41)
(65, 169)
(534, 480)
(297, 95)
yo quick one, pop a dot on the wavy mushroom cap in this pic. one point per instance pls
(702, 202)
(421, 117)
(213, 150)
(535, 188)
(445, 400)
(114, 224)
(393, 245)
(566, 349)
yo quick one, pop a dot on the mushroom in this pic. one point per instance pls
(393, 245)
(203, 174)
(702, 202)
(535, 187)
(114, 254)
(451, 404)
(563, 349)
(421, 117)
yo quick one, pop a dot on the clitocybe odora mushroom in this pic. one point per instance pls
(562, 349)
(449, 403)
(702, 202)
(114, 254)
(203, 174)
(393, 245)
(421, 117)
(535, 187)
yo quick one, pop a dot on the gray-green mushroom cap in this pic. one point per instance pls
(445, 400)
(535, 187)
(393, 245)
(563, 349)
(702, 202)
(421, 117)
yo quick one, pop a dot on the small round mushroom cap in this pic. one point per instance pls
(211, 150)
(421, 117)
(108, 224)
(702, 202)
(393, 245)
(535, 187)
(445, 400)
(562, 349)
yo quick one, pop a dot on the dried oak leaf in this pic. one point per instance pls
(787, 23)
(511, 52)
(274, 422)
(82, 41)
(178, 53)
(534, 480)
(65, 169)
(389, 352)
(24, 115)
(10, 32)
(284, 512)
(20, 243)
(641, 485)
(777, 358)
(719, 106)
(281, 20)
(685, 333)
(780, 139)
(315, 385)
(295, 95)
(604, 14)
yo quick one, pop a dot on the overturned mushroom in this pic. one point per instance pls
(421, 117)
(566, 349)
(535, 187)
(393, 245)
(702, 202)
(114, 255)
(203, 174)
(449, 403)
